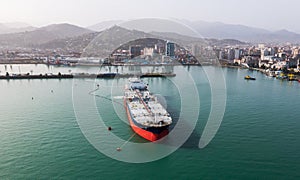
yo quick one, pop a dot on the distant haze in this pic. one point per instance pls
(268, 14)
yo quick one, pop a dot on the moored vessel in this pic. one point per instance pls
(147, 117)
(249, 78)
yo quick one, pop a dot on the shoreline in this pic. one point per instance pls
(95, 64)
(116, 75)
(263, 71)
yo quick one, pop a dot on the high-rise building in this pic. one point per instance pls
(222, 55)
(170, 49)
(237, 53)
(195, 50)
(231, 54)
(135, 51)
(272, 51)
(295, 52)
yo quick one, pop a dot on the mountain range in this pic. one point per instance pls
(215, 30)
(15, 27)
(70, 37)
(244, 33)
(39, 36)
(102, 44)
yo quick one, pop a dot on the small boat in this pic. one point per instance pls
(249, 78)
(298, 80)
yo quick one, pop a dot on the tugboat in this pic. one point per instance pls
(147, 117)
(249, 78)
(291, 77)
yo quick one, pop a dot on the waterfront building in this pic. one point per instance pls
(264, 52)
(282, 55)
(148, 51)
(231, 54)
(170, 49)
(292, 63)
(252, 61)
(272, 51)
(261, 46)
(279, 65)
(296, 52)
(221, 55)
(196, 50)
(135, 51)
(237, 61)
(237, 53)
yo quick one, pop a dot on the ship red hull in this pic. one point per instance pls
(150, 136)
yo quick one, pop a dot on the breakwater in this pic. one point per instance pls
(84, 75)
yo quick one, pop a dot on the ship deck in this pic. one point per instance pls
(144, 107)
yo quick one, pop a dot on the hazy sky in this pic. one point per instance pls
(270, 14)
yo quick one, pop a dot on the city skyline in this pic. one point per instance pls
(262, 14)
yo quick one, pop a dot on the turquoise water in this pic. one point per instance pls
(258, 139)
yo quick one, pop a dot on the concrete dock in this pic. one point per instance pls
(83, 75)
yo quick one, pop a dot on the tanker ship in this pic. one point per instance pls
(147, 117)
